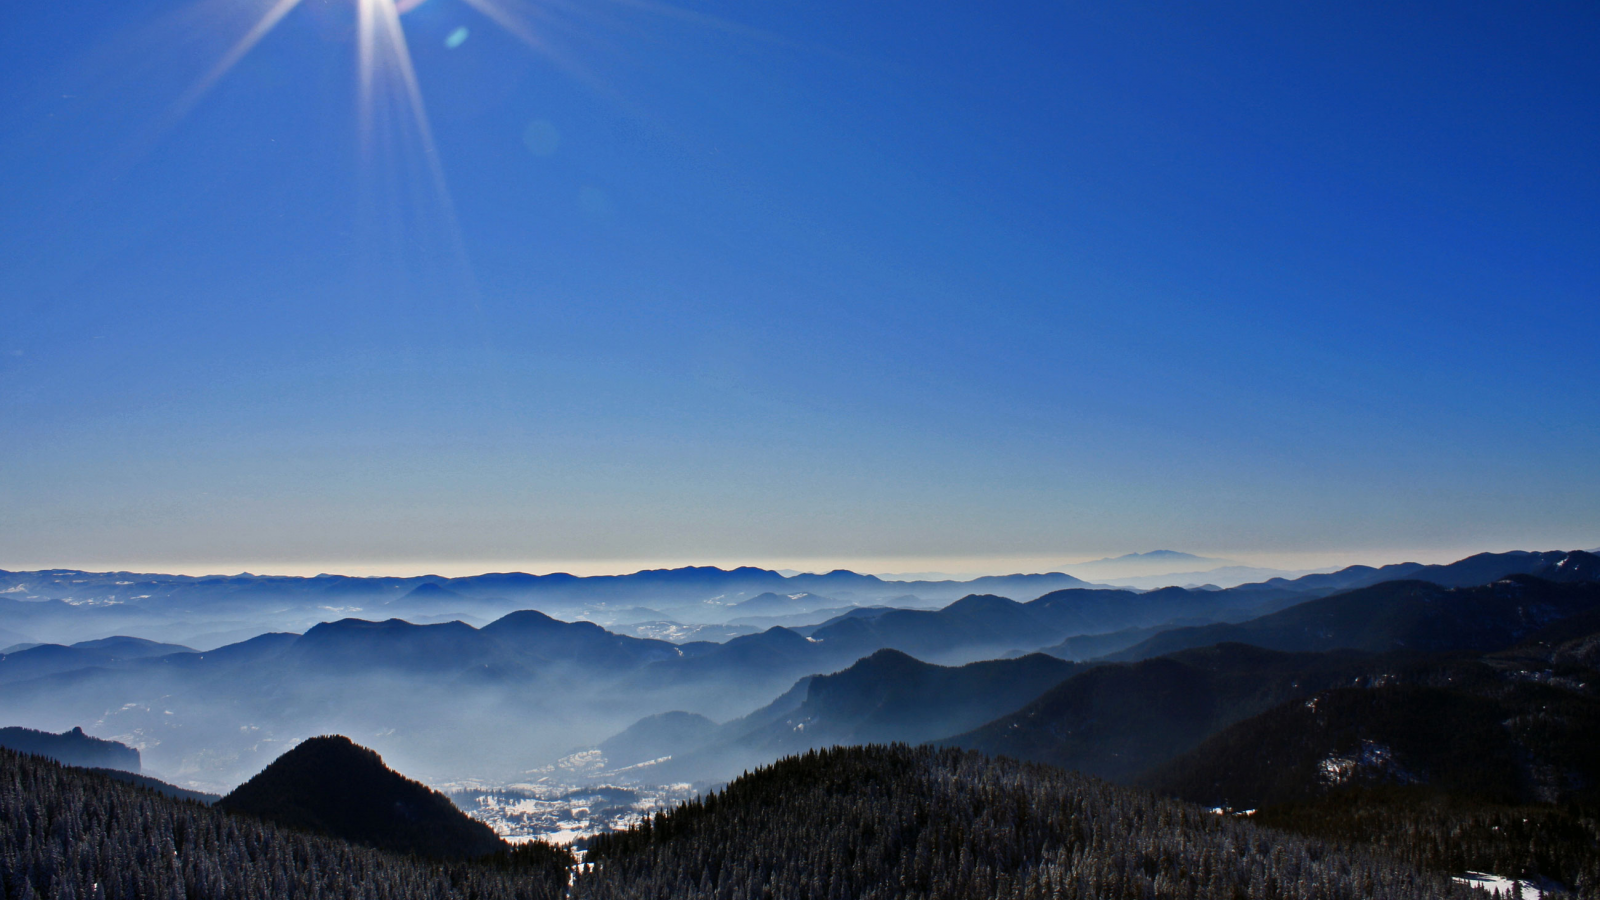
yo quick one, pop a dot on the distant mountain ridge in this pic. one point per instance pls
(48, 659)
(1481, 568)
(63, 606)
(1416, 615)
(128, 596)
(1178, 687)
(72, 748)
(887, 697)
(1145, 563)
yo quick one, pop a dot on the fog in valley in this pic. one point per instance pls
(459, 681)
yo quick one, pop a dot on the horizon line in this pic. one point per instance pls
(957, 569)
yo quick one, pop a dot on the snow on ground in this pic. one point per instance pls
(1498, 886)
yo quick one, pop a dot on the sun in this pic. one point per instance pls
(384, 57)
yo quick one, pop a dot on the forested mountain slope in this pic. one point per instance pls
(1509, 743)
(73, 833)
(893, 822)
(1116, 721)
(1413, 615)
(1120, 720)
(1486, 763)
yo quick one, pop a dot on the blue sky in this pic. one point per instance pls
(891, 285)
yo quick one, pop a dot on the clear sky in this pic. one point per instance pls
(893, 285)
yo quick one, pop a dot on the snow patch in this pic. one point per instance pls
(1372, 758)
(1500, 886)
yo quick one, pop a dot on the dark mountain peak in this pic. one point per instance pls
(887, 662)
(979, 603)
(1579, 565)
(888, 655)
(332, 785)
(531, 631)
(1172, 591)
(429, 590)
(776, 636)
(361, 644)
(390, 626)
(523, 621)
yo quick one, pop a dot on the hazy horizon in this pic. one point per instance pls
(962, 568)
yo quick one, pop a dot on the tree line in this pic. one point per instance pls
(861, 823)
(70, 834)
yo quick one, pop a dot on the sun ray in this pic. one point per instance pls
(716, 23)
(237, 52)
(499, 12)
(383, 54)
(395, 40)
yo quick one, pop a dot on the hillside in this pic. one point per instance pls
(653, 737)
(1116, 721)
(1455, 762)
(883, 698)
(1480, 568)
(74, 748)
(1499, 778)
(48, 659)
(882, 822)
(74, 833)
(332, 786)
(1505, 743)
(1411, 615)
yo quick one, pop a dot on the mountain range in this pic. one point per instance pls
(63, 605)
(1417, 615)
(886, 697)
(1445, 715)
(550, 686)
(1121, 720)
